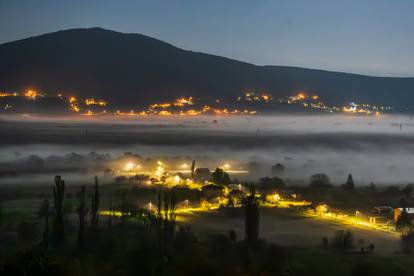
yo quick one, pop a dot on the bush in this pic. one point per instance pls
(343, 240)
(28, 232)
(220, 177)
(320, 180)
(407, 241)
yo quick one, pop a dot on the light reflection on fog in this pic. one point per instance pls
(377, 149)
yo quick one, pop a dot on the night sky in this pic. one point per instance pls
(374, 37)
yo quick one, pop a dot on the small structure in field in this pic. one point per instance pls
(202, 174)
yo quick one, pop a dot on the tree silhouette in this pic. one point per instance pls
(59, 196)
(95, 205)
(166, 219)
(110, 213)
(349, 184)
(252, 218)
(44, 212)
(220, 177)
(320, 180)
(82, 211)
(193, 164)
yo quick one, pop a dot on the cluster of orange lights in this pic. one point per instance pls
(75, 107)
(174, 108)
(252, 97)
(314, 103)
(184, 101)
(308, 102)
(31, 94)
(73, 104)
(300, 97)
(92, 101)
(360, 109)
(180, 102)
(8, 94)
(186, 105)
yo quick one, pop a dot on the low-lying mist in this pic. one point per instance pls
(374, 149)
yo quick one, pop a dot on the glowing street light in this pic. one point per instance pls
(129, 166)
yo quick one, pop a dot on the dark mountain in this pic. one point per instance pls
(134, 70)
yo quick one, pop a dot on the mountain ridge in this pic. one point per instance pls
(134, 70)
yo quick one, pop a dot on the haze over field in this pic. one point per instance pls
(373, 149)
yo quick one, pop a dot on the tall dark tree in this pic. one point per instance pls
(59, 196)
(349, 184)
(1, 215)
(169, 214)
(252, 218)
(95, 205)
(82, 211)
(110, 213)
(160, 224)
(193, 169)
(124, 211)
(68, 208)
(44, 212)
(166, 219)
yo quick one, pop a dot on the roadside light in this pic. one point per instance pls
(129, 166)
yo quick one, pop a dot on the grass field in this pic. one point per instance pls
(285, 227)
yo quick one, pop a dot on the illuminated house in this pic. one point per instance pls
(380, 210)
(202, 174)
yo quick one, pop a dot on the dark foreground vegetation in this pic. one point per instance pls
(140, 242)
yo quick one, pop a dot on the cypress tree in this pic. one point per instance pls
(82, 210)
(95, 205)
(349, 185)
(252, 218)
(58, 196)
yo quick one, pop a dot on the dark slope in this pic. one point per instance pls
(135, 70)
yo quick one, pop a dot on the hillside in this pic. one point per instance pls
(134, 70)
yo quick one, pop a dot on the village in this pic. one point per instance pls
(217, 190)
(250, 103)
